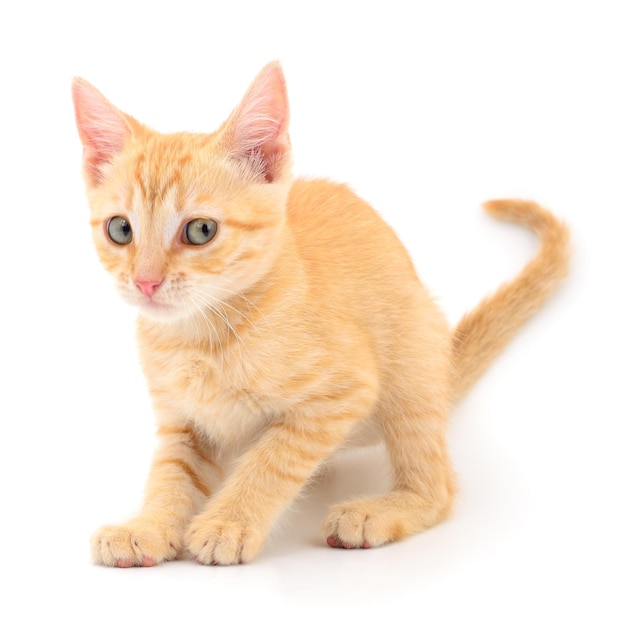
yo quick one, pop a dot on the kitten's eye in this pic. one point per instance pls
(119, 230)
(200, 231)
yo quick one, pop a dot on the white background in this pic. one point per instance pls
(427, 109)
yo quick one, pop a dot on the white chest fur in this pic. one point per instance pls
(222, 393)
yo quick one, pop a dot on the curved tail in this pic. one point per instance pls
(482, 333)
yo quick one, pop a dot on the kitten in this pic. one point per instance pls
(279, 320)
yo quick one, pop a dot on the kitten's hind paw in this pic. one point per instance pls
(136, 544)
(353, 525)
(372, 522)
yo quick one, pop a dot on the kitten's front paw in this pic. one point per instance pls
(138, 543)
(222, 542)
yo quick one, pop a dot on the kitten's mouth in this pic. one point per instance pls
(153, 306)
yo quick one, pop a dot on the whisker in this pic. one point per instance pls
(214, 306)
(210, 325)
(250, 305)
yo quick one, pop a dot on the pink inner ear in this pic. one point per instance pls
(258, 129)
(102, 128)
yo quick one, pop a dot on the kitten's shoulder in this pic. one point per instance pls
(318, 189)
(329, 219)
(324, 199)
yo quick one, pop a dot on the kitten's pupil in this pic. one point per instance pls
(199, 231)
(119, 230)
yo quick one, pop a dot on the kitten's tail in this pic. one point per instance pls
(482, 333)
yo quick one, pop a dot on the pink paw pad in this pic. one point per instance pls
(335, 542)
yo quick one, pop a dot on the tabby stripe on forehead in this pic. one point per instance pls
(184, 467)
(166, 184)
(138, 176)
(166, 180)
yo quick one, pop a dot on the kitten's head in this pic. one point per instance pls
(183, 221)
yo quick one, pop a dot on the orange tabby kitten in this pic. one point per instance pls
(280, 320)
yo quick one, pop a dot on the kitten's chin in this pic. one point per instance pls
(160, 312)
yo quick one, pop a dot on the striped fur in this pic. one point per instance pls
(299, 328)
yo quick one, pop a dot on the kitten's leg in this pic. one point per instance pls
(237, 520)
(423, 479)
(179, 481)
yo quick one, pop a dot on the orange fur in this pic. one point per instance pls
(300, 327)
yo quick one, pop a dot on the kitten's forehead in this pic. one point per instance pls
(180, 170)
(165, 167)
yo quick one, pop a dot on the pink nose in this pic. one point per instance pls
(148, 287)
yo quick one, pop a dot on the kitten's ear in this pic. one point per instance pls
(102, 127)
(257, 131)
